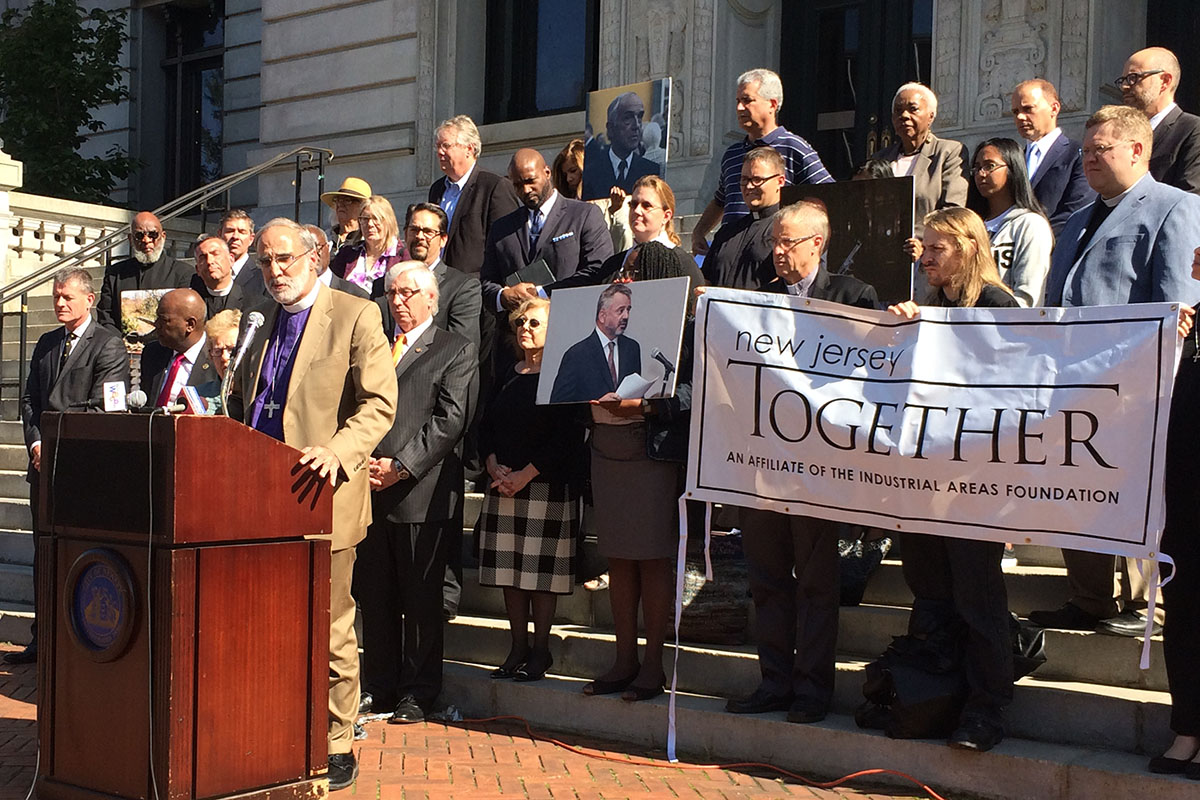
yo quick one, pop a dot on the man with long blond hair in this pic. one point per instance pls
(958, 261)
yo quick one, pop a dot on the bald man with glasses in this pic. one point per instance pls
(1148, 84)
(149, 267)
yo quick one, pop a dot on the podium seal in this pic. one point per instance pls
(100, 604)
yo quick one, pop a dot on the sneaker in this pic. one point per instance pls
(1009, 559)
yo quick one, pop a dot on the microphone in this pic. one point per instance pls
(87, 404)
(658, 356)
(254, 321)
(136, 399)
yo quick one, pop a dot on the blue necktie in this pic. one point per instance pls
(535, 230)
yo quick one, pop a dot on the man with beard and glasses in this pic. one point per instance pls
(148, 268)
(320, 378)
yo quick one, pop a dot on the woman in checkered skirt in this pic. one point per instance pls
(530, 511)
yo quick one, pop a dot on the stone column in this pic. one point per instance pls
(11, 177)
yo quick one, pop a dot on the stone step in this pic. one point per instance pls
(16, 584)
(13, 457)
(1017, 769)
(1029, 588)
(16, 547)
(13, 483)
(1066, 712)
(865, 631)
(15, 515)
(15, 619)
(11, 432)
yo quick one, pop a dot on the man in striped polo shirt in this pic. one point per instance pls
(759, 98)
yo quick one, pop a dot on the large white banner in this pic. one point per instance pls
(1043, 426)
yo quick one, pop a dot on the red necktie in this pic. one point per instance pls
(164, 397)
(612, 367)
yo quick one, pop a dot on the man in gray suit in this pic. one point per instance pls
(1132, 245)
(567, 234)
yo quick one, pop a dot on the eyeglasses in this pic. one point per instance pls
(445, 147)
(149, 236)
(1100, 150)
(533, 323)
(405, 293)
(788, 244)
(753, 182)
(1133, 78)
(284, 260)
(364, 221)
(424, 233)
(988, 167)
(221, 351)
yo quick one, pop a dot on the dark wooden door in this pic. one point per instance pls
(841, 61)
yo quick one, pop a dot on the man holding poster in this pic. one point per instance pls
(793, 560)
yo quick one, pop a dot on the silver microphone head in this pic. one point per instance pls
(136, 399)
(255, 319)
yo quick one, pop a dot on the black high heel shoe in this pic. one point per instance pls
(534, 668)
(508, 670)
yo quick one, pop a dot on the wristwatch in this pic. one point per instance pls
(401, 472)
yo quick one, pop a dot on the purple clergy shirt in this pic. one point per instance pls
(266, 413)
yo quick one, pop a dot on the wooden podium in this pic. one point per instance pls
(183, 617)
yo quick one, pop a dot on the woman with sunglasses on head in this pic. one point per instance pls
(378, 249)
(1001, 194)
(529, 521)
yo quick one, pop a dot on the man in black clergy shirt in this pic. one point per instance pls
(740, 256)
(150, 267)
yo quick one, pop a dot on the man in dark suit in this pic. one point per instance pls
(621, 162)
(237, 229)
(1132, 245)
(567, 234)
(180, 356)
(327, 276)
(148, 268)
(70, 366)
(213, 280)
(1054, 161)
(416, 479)
(472, 197)
(792, 559)
(1149, 84)
(319, 378)
(595, 366)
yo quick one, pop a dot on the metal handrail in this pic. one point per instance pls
(166, 212)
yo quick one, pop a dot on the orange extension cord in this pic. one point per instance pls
(739, 765)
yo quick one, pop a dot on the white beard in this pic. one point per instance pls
(152, 256)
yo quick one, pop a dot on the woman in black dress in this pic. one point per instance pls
(530, 516)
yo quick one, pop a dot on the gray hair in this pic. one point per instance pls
(302, 233)
(811, 218)
(422, 275)
(466, 133)
(769, 85)
(75, 274)
(611, 291)
(926, 92)
(208, 237)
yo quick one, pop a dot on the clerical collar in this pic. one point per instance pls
(766, 212)
(306, 302)
(1112, 202)
(221, 292)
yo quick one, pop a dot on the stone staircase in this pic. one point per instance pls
(16, 538)
(1082, 726)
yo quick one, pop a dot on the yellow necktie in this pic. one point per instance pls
(398, 348)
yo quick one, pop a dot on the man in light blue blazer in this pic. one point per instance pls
(1132, 245)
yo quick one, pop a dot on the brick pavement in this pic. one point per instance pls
(475, 760)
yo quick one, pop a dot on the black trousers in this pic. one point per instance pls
(1181, 629)
(796, 616)
(398, 586)
(960, 579)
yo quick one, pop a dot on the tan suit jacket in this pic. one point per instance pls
(342, 395)
(939, 176)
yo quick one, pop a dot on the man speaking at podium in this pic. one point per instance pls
(319, 378)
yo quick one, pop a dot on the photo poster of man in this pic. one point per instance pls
(869, 221)
(139, 307)
(620, 338)
(629, 131)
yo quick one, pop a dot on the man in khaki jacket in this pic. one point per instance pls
(319, 377)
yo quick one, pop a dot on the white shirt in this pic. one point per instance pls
(1157, 118)
(616, 162)
(904, 165)
(241, 262)
(1035, 151)
(412, 336)
(185, 367)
